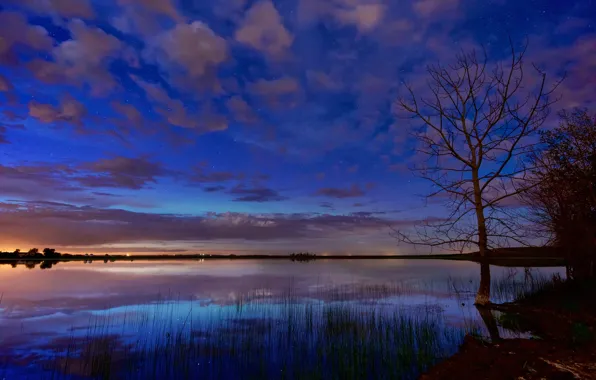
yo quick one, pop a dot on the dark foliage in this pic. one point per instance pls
(563, 198)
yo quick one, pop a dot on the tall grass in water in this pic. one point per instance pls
(257, 338)
(511, 286)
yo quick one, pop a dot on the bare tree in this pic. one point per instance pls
(478, 123)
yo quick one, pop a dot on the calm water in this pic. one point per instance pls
(152, 319)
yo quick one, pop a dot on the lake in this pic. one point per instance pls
(238, 318)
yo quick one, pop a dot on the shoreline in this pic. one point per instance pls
(501, 260)
(562, 322)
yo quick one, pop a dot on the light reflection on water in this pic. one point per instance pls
(129, 307)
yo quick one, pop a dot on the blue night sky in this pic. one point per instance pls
(239, 125)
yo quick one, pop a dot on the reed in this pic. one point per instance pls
(258, 337)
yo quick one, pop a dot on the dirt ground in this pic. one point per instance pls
(564, 319)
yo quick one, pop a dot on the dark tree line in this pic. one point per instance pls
(49, 253)
(303, 256)
(562, 198)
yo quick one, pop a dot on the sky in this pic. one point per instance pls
(240, 126)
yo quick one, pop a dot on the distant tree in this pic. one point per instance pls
(17, 251)
(563, 196)
(477, 125)
(50, 252)
(33, 252)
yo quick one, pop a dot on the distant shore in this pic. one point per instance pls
(517, 259)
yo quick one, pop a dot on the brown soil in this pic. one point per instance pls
(565, 320)
(516, 359)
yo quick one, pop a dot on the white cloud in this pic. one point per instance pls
(5, 85)
(364, 15)
(69, 110)
(176, 113)
(159, 7)
(61, 8)
(81, 60)
(192, 47)
(434, 8)
(14, 29)
(263, 29)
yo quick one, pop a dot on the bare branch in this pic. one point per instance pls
(479, 125)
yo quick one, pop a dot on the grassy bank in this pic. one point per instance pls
(561, 318)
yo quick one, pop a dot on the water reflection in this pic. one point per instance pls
(220, 319)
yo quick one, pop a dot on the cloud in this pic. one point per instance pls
(328, 205)
(62, 8)
(241, 111)
(87, 51)
(230, 10)
(15, 30)
(136, 21)
(174, 111)
(276, 87)
(5, 85)
(399, 167)
(284, 92)
(364, 15)
(38, 182)
(81, 60)
(158, 7)
(130, 113)
(73, 8)
(105, 194)
(189, 52)
(43, 172)
(121, 172)
(579, 87)
(64, 183)
(333, 192)
(324, 81)
(255, 194)
(263, 29)
(118, 172)
(68, 225)
(4, 129)
(3, 139)
(68, 110)
(434, 8)
(213, 189)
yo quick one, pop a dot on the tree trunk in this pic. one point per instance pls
(480, 219)
(490, 322)
(483, 295)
